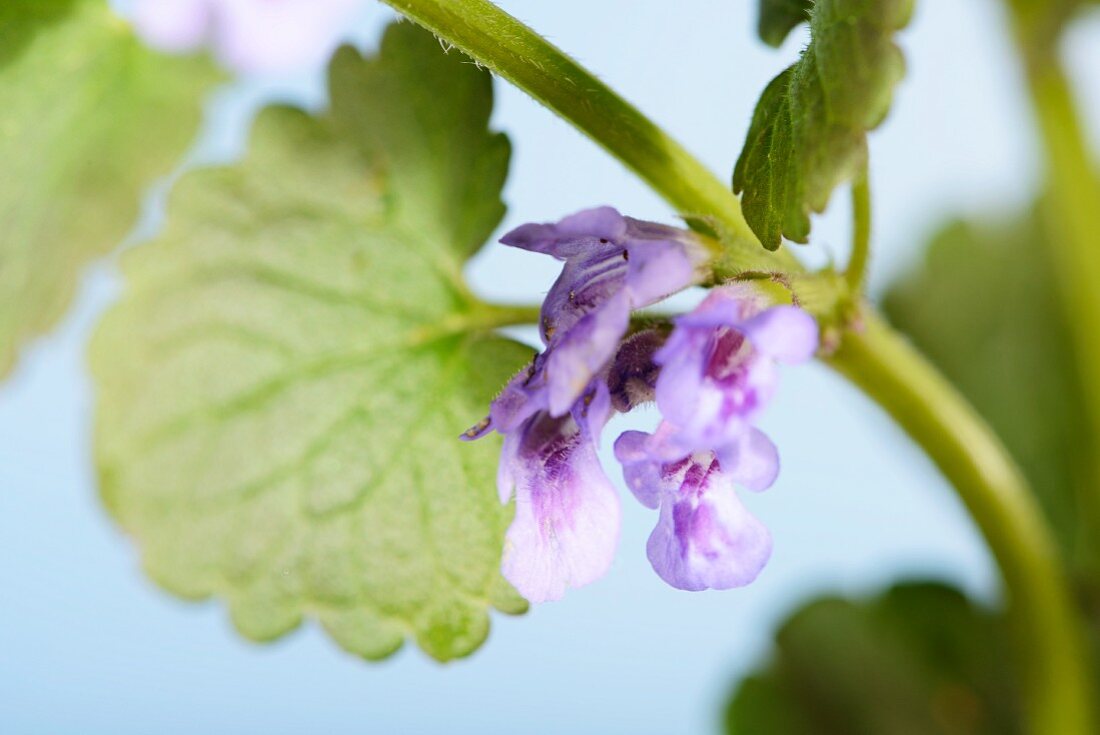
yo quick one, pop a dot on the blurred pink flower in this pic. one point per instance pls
(247, 35)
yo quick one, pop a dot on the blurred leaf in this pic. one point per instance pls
(984, 308)
(809, 130)
(778, 17)
(21, 19)
(89, 119)
(920, 659)
(282, 387)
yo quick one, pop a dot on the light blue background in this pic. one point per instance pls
(87, 645)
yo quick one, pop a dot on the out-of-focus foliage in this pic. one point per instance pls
(776, 18)
(282, 387)
(985, 309)
(1041, 22)
(88, 118)
(919, 659)
(809, 130)
(20, 20)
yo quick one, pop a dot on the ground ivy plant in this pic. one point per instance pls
(304, 411)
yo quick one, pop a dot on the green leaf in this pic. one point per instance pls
(809, 131)
(282, 387)
(778, 17)
(89, 118)
(919, 659)
(985, 309)
(21, 19)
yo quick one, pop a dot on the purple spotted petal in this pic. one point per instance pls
(718, 369)
(712, 385)
(705, 538)
(566, 526)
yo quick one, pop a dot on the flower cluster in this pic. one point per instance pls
(247, 35)
(710, 377)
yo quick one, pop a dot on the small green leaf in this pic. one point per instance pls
(778, 17)
(282, 387)
(919, 659)
(984, 307)
(89, 118)
(809, 131)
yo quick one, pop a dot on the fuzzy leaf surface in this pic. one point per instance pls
(809, 131)
(283, 384)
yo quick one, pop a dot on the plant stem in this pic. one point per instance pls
(513, 51)
(933, 413)
(1073, 221)
(877, 360)
(861, 233)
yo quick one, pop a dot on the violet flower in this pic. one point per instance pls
(566, 528)
(613, 265)
(710, 378)
(551, 414)
(719, 370)
(247, 35)
(705, 538)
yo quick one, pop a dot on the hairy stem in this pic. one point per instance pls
(513, 51)
(877, 360)
(889, 370)
(861, 233)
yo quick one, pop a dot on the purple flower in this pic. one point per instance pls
(247, 35)
(718, 371)
(705, 538)
(613, 265)
(566, 528)
(710, 378)
(566, 525)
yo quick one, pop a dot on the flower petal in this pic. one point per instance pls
(752, 461)
(708, 540)
(566, 528)
(657, 268)
(785, 333)
(586, 283)
(510, 469)
(575, 235)
(522, 397)
(641, 473)
(584, 351)
(600, 222)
